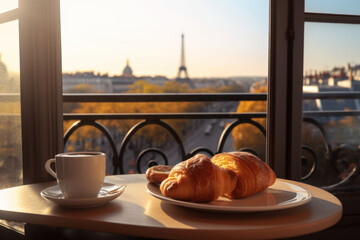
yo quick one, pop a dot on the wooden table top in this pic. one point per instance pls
(137, 213)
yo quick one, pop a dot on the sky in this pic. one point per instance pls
(331, 45)
(9, 38)
(223, 38)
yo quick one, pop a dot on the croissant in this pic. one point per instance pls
(198, 180)
(253, 175)
(156, 174)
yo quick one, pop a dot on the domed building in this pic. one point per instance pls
(127, 72)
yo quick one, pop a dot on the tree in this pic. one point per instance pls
(146, 135)
(246, 136)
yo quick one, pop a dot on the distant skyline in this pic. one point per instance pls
(222, 38)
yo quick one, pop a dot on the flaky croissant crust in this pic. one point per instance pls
(198, 180)
(253, 175)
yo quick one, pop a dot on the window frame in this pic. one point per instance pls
(286, 47)
(40, 83)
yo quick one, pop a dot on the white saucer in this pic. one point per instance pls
(107, 193)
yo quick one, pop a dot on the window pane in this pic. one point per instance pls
(330, 45)
(6, 5)
(331, 140)
(351, 7)
(10, 121)
(160, 46)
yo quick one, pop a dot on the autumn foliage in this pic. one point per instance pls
(246, 135)
(120, 128)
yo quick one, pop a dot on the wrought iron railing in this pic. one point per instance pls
(158, 119)
(343, 154)
(309, 117)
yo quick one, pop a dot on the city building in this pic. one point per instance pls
(99, 83)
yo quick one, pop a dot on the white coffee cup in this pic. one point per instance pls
(79, 174)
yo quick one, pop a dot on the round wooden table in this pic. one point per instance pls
(137, 213)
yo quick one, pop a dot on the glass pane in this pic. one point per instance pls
(176, 47)
(331, 140)
(327, 47)
(10, 114)
(6, 5)
(351, 7)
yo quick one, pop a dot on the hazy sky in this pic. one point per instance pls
(222, 37)
(331, 45)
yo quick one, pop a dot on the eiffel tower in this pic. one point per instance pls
(182, 68)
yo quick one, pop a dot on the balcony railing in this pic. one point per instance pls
(157, 119)
(238, 118)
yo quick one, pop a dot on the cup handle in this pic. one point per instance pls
(49, 169)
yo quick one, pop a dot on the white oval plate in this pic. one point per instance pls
(281, 195)
(107, 193)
